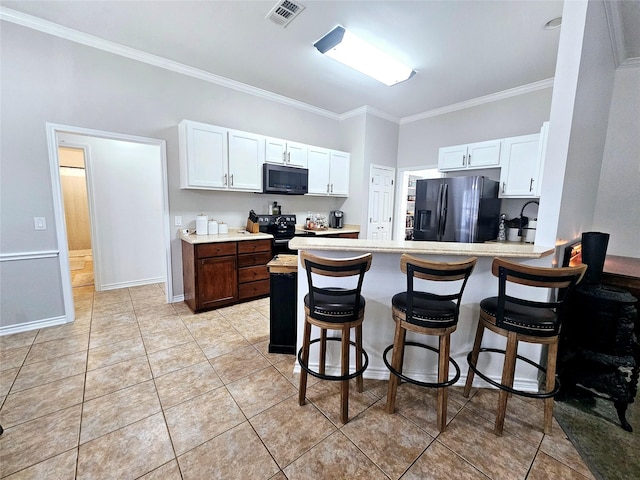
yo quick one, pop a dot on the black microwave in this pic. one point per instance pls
(284, 179)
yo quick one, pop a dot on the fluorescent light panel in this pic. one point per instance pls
(346, 48)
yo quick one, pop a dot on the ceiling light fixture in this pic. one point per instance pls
(354, 52)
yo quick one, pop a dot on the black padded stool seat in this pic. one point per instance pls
(520, 319)
(428, 314)
(334, 308)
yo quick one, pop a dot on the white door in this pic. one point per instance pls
(381, 193)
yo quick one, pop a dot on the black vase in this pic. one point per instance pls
(594, 252)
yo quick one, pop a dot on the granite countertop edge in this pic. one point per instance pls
(489, 249)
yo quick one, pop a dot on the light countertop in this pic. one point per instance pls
(234, 235)
(489, 249)
(348, 228)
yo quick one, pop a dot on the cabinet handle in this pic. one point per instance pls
(284, 157)
(504, 185)
(464, 160)
(332, 188)
(225, 179)
(531, 185)
(288, 157)
(469, 160)
(328, 191)
(232, 179)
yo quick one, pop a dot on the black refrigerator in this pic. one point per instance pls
(457, 209)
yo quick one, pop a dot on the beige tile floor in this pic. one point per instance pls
(136, 388)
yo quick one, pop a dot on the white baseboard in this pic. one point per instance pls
(34, 325)
(178, 299)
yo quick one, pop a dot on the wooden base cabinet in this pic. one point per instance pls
(224, 273)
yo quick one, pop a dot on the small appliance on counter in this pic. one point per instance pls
(336, 219)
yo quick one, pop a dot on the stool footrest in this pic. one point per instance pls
(321, 376)
(523, 393)
(418, 382)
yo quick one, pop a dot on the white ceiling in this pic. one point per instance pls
(461, 50)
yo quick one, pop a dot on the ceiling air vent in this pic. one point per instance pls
(284, 12)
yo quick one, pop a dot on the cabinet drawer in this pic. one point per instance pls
(254, 246)
(248, 260)
(253, 289)
(251, 274)
(215, 249)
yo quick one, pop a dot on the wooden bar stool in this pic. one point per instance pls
(523, 320)
(334, 308)
(427, 314)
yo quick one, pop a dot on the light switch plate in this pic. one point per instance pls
(40, 223)
(178, 221)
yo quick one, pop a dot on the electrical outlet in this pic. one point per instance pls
(178, 220)
(40, 223)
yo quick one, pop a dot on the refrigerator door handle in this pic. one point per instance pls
(445, 207)
(439, 212)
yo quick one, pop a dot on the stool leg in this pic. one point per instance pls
(344, 387)
(508, 371)
(396, 362)
(359, 379)
(305, 359)
(552, 355)
(443, 376)
(323, 350)
(474, 358)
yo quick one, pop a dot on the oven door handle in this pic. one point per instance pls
(281, 241)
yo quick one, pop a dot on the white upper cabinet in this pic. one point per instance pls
(216, 158)
(522, 165)
(203, 155)
(469, 156)
(328, 172)
(284, 152)
(246, 156)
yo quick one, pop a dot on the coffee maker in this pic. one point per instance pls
(336, 219)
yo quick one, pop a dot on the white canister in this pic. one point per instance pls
(201, 225)
(223, 228)
(213, 227)
(529, 232)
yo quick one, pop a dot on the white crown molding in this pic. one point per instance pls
(474, 102)
(614, 22)
(70, 34)
(366, 109)
(630, 63)
(51, 28)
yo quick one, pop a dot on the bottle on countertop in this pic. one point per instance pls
(502, 229)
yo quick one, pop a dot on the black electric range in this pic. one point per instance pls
(283, 229)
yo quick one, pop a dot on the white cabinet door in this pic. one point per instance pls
(520, 172)
(470, 156)
(296, 154)
(246, 156)
(339, 174)
(203, 155)
(318, 164)
(452, 158)
(275, 150)
(483, 154)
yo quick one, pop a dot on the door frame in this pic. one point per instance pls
(58, 206)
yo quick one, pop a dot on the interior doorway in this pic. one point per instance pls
(405, 200)
(73, 182)
(128, 208)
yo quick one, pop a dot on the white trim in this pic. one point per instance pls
(474, 102)
(614, 21)
(138, 283)
(36, 324)
(52, 131)
(178, 299)
(54, 29)
(10, 257)
(630, 63)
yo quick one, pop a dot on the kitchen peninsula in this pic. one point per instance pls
(385, 279)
